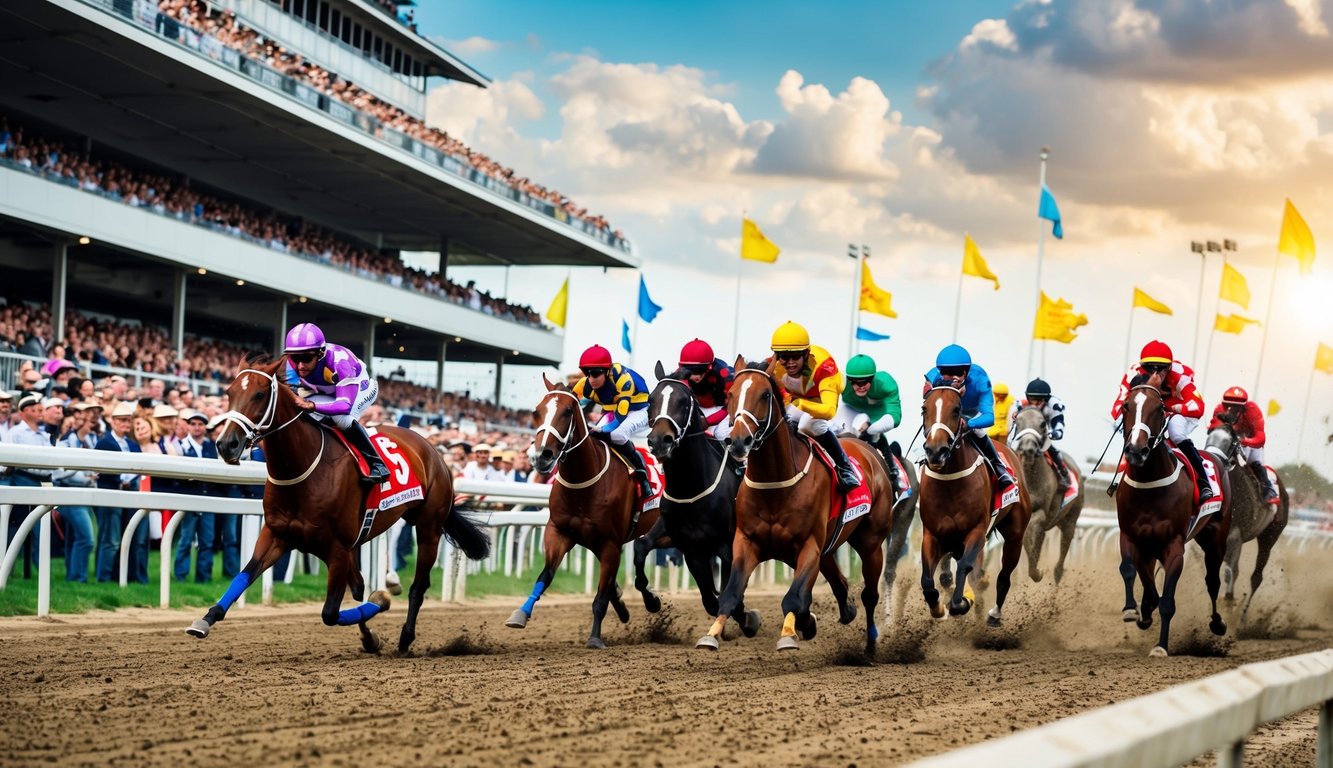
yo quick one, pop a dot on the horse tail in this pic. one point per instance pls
(467, 535)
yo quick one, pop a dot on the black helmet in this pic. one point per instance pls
(1038, 388)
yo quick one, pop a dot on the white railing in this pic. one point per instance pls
(1173, 726)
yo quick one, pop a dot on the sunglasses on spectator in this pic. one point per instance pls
(792, 355)
(302, 357)
(861, 381)
(593, 373)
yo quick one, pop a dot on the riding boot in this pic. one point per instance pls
(635, 461)
(882, 444)
(1061, 471)
(1200, 473)
(847, 479)
(1265, 482)
(360, 439)
(983, 443)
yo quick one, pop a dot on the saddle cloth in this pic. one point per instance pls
(1001, 500)
(904, 488)
(856, 503)
(1272, 478)
(656, 480)
(402, 486)
(1071, 475)
(1201, 513)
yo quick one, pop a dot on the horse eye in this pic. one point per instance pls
(765, 396)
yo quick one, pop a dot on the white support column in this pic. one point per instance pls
(178, 313)
(279, 324)
(499, 371)
(370, 347)
(59, 279)
(439, 368)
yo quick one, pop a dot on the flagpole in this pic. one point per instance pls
(957, 306)
(1217, 308)
(736, 326)
(1305, 414)
(1129, 335)
(858, 259)
(1268, 317)
(1041, 245)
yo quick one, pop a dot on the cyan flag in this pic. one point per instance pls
(624, 335)
(863, 335)
(1047, 209)
(648, 309)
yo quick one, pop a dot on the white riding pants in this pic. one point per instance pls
(848, 419)
(1250, 455)
(633, 425)
(720, 430)
(1179, 427)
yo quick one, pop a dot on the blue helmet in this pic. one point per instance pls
(953, 356)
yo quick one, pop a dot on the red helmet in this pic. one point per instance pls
(595, 356)
(1156, 352)
(1236, 396)
(696, 352)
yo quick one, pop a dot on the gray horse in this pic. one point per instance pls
(1251, 517)
(904, 512)
(1029, 440)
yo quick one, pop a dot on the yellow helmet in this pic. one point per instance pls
(1001, 389)
(790, 337)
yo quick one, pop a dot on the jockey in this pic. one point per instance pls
(1182, 400)
(811, 383)
(710, 380)
(342, 386)
(978, 403)
(870, 407)
(1244, 416)
(1002, 403)
(1038, 395)
(623, 393)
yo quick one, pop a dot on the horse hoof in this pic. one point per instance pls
(811, 627)
(1218, 627)
(788, 644)
(652, 603)
(596, 644)
(371, 643)
(992, 621)
(1129, 614)
(517, 620)
(937, 611)
(1144, 623)
(750, 627)
(1036, 576)
(1059, 574)
(946, 579)
(960, 608)
(847, 615)
(199, 628)
(1157, 652)
(381, 598)
(707, 642)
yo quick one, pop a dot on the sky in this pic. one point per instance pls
(902, 127)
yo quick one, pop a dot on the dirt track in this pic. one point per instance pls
(272, 685)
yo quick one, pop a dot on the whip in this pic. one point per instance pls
(1110, 489)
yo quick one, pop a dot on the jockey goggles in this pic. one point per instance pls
(1152, 368)
(790, 354)
(860, 381)
(303, 357)
(696, 370)
(593, 373)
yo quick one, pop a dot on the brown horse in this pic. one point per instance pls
(957, 496)
(782, 513)
(592, 504)
(314, 502)
(1155, 506)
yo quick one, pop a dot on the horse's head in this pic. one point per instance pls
(1144, 418)
(1030, 432)
(560, 426)
(671, 411)
(755, 407)
(942, 417)
(256, 396)
(1222, 441)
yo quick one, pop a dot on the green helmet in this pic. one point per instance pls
(860, 367)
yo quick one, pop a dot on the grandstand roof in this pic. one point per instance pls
(439, 61)
(71, 64)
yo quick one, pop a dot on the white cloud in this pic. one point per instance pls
(471, 46)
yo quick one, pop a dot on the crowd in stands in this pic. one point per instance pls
(407, 17)
(224, 26)
(172, 196)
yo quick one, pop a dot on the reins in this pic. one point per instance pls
(262, 429)
(565, 447)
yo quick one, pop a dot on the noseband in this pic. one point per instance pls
(257, 430)
(1043, 440)
(563, 440)
(1153, 439)
(762, 430)
(954, 437)
(662, 415)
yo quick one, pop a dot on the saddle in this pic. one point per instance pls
(843, 508)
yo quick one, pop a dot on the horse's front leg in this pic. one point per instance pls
(960, 604)
(1212, 562)
(930, 559)
(796, 613)
(1173, 563)
(1128, 554)
(1068, 529)
(609, 568)
(1010, 555)
(744, 559)
(655, 538)
(1231, 563)
(1033, 541)
(557, 545)
(1266, 540)
(267, 551)
(896, 548)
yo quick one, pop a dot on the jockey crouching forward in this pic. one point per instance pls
(1038, 395)
(709, 379)
(1245, 418)
(343, 388)
(811, 384)
(870, 407)
(1183, 402)
(978, 404)
(623, 393)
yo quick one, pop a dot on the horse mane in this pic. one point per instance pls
(1138, 379)
(261, 361)
(753, 365)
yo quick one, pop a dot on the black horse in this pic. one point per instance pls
(698, 513)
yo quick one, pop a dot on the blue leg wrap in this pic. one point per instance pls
(357, 615)
(235, 590)
(872, 632)
(531, 602)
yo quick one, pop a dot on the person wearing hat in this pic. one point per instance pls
(195, 525)
(77, 521)
(27, 432)
(480, 468)
(53, 413)
(1003, 401)
(6, 409)
(1184, 404)
(111, 520)
(1038, 395)
(1245, 418)
(954, 368)
(811, 383)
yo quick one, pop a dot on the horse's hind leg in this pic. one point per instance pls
(1212, 562)
(655, 538)
(1174, 563)
(796, 603)
(895, 547)
(1267, 538)
(428, 547)
(557, 545)
(872, 563)
(701, 568)
(946, 571)
(267, 551)
(1068, 529)
(1013, 550)
(379, 601)
(1033, 541)
(1231, 563)
(1127, 572)
(828, 565)
(608, 568)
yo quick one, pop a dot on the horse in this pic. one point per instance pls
(592, 504)
(904, 510)
(956, 506)
(1155, 505)
(698, 512)
(1251, 517)
(782, 514)
(1030, 441)
(315, 502)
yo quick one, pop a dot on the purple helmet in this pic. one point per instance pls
(304, 337)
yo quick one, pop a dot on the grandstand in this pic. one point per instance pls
(220, 170)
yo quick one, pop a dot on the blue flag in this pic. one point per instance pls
(1047, 209)
(624, 336)
(864, 335)
(648, 309)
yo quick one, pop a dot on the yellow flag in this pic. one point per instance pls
(1296, 240)
(1233, 323)
(1323, 358)
(559, 306)
(755, 246)
(1273, 408)
(1056, 320)
(973, 264)
(1234, 288)
(1142, 299)
(873, 298)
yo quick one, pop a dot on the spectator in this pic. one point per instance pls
(77, 521)
(480, 468)
(53, 413)
(196, 526)
(27, 432)
(111, 520)
(6, 411)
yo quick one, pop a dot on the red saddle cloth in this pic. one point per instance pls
(1070, 474)
(656, 480)
(401, 487)
(857, 500)
(1001, 500)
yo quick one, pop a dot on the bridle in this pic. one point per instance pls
(1154, 440)
(682, 432)
(563, 440)
(762, 430)
(954, 437)
(255, 431)
(1043, 439)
